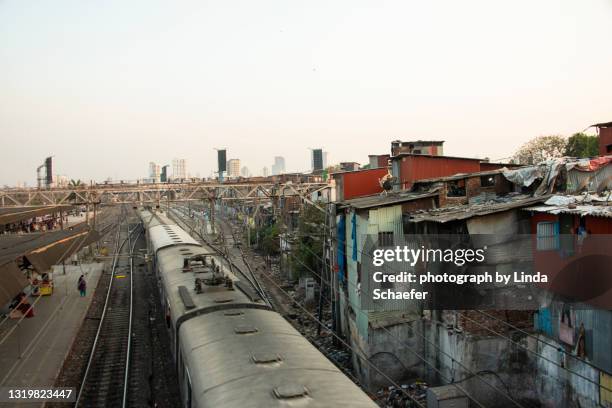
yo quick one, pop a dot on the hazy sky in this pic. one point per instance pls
(107, 86)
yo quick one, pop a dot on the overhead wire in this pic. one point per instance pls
(520, 345)
(454, 360)
(357, 353)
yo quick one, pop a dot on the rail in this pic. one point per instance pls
(99, 333)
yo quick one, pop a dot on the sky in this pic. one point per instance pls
(108, 86)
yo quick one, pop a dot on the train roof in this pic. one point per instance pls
(187, 300)
(163, 231)
(255, 358)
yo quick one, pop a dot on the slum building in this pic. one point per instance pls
(563, 346)
(374, 331)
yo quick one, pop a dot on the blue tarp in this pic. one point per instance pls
(544, 321)
(354, 236)
(341, 248)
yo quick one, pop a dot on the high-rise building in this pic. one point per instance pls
(61, 180)
(49, 169)
(244, 172)
(279, 165)
(266, 172)
(154, 172)
(164, 174)
(179, 169)
(317, 160)
(233, 168)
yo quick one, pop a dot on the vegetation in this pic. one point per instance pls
(540, 149)
(582, 145)
(308, 252)
(266, 238)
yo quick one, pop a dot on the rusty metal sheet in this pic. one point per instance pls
(51, 254)
(12, 281)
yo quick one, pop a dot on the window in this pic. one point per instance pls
(487, 181)
(547, 236)
(456, 188)
(385, 239)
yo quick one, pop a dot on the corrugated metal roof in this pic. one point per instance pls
(355, 171)
(42, 249)
(13, 246)
(378, 200)
(400, 155)
(605, 124)
(582, 210)
(13, 282)
(10, 215)
(585, 204)
(460, 176)
(463, 212)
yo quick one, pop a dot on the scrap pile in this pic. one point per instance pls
(403, 397)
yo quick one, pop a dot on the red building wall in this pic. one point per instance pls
(383, 160)
(418, 167)
(551, 262)
(362, 183)
(605, 141)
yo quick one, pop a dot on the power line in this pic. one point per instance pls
(537, 338)
(520, 345)
(270, 278)
(368, 255)
(536, 353)
(429, 363)
(363, 358)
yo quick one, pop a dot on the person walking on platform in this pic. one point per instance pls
(82, 286)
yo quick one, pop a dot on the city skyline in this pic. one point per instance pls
(107, 89)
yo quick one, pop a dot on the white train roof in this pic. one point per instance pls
(162, 236)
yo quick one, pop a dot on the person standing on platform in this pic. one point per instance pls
(82, 286)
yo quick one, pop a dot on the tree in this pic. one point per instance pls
(582, 145)
(270, 239)
(310, 234)
(540, 149)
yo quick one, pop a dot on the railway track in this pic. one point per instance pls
(105, 382)
(255, 281)
(249, 276)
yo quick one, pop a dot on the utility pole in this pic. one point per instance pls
(335, 290)
(323, 274)
(94, 214)
(212, 215)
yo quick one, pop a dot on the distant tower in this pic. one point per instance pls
(154, 172)
(179, 169)
(163, 177)
(266, 172)
(244, 172)
(317, 160)
(233, 168)
(279, 165)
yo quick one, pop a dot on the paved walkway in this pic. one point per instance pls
(33, 351)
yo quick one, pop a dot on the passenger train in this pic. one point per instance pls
(230, 348)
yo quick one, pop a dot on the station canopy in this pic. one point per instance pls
(9, 215)
(41, 250)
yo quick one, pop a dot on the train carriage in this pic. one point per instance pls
(231, 350)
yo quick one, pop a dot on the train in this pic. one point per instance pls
(230, 348)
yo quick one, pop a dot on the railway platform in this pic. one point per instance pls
(32, 352)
